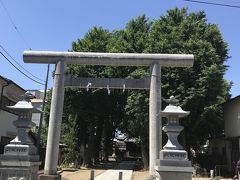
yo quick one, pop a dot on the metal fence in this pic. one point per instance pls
(221, 170)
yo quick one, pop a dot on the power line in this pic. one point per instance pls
(27, 45)
(14, 25)
(213, 3)
(20, 70)
(20, 64)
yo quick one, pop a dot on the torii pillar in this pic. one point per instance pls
(155, 122)
(155, 61)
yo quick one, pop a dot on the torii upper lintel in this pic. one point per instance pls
(108, 59)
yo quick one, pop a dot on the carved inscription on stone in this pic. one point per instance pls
(174, 155)
(18, 150)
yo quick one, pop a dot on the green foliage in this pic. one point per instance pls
(137, 115)
(202, 88)
(133, 39)
(71, 138)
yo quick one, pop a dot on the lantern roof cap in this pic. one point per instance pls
(25, 104)
(173, 109)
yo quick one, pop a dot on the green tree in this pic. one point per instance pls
(202, 88)
(101, 112)
(134, 39)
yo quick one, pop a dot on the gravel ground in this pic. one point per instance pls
(81, 174)
(143, 175)
(84, 174)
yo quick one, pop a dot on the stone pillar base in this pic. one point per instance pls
(151, 177)
(173, 173)
(49, 177)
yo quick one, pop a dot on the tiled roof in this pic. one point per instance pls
(11, 82)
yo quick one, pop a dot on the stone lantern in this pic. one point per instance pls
(173, 161)
(20, 158)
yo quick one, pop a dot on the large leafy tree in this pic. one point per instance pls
(202, 88)
(134, 39)
(94, 115)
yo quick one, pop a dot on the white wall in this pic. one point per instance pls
(6, 124)
(36, 118)
(231, 118)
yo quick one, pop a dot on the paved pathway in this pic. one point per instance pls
(113, 174)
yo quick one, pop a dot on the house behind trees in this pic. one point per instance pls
(10, 93)
(232, 130)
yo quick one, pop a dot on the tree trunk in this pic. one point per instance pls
(98, 138)
(91, 145)
(108, 137)
(106, 148)
(82, 154)
(85, 157)
(145, 155)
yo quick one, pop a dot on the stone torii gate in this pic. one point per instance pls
(61, 59)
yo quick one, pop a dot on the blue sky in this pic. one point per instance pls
(54, 25)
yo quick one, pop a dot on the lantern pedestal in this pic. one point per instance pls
(20, 159)
(173, 173)
(172, 165)
(173, 160)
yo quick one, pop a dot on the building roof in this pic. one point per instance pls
(9, 81)
(231, 100)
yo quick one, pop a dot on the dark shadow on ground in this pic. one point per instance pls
(104, 165)
(125, 165)
(138, 166)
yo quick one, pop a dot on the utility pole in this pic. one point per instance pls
(42, 113)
